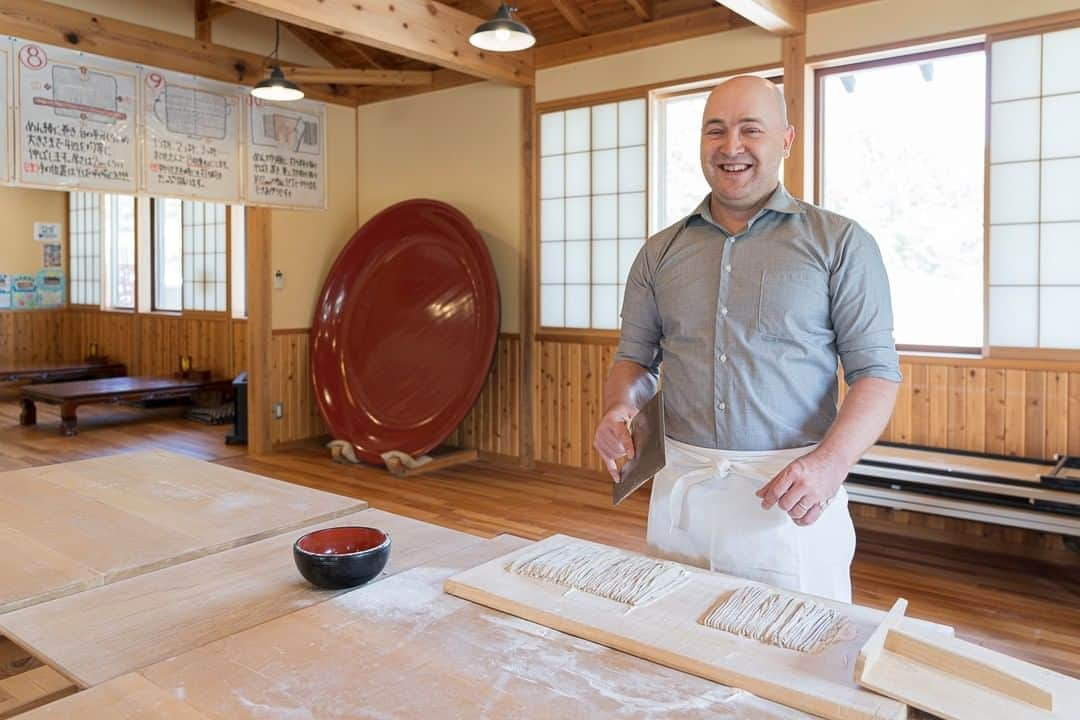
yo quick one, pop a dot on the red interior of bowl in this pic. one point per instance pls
(341, 540)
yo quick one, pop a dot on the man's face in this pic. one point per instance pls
(743, 140)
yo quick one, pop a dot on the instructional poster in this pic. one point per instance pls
(75, 116)
(191, 137)
(286, 154)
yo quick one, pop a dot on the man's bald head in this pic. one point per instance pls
(752, 88)
(744, 137)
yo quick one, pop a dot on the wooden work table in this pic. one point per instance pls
(69, 527)
(402, 648)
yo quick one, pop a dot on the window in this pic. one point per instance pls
(903, 154)
(204, 256)
(1034, 173)
(680, 182)
(84, 259)
(168, 267)
(592, 211)
(119, 235)
(189, 255)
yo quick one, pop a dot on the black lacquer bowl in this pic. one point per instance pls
(341, 557)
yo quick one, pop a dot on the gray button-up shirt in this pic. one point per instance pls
(750, 326)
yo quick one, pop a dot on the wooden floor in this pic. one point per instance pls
(1022, 607)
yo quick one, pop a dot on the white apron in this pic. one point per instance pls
(704, 512)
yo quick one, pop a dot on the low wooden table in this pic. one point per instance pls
(61, 372)
(70, 395)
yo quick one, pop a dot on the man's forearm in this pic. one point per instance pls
(628, 384)
(860, 420)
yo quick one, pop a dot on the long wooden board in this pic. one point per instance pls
(73, 526)
(131, 697)
(668, 632)
(112, 630)
(402, 648)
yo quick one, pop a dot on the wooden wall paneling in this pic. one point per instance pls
(938, 380)
(995, 411)
(920, 405)
(901, 421)
(1034, 413)
(975, 414)
(239, 347)
(1056, 440)
(1015, 388)
(1074, 414)
(957, 419)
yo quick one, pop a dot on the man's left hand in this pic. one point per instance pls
(805, 487)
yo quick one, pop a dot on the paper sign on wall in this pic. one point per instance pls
(50, 288)
(286, 154)
(75, 119)
(23, 292)
(191, 137)
(5, 291)
(51, 256)
(47, 232)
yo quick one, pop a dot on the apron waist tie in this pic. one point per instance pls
(719, 469)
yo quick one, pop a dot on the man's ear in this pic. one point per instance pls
(789, 139)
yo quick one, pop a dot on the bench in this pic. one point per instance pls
(61, 371)
(70, 395)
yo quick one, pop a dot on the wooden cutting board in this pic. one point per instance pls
(402, 648)
(108, 631)
(73, 526)
(668, 632)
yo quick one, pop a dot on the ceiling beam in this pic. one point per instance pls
(573, 14)
(316, 42)
(422, 29)
(657, 32)
(218, 9)
(45, 22)
(350, 76)
(783, 17)
(642, 8)
(440, 80)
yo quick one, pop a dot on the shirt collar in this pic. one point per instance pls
(780, 201)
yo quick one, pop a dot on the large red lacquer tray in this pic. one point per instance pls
(404, 330)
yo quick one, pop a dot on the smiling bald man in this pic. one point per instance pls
(750, 301)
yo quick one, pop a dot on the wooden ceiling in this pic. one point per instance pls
(553, 22)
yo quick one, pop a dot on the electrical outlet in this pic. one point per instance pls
(279, 410)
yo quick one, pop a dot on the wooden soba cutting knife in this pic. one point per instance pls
(647, 431)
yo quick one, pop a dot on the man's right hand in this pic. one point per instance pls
(613, 439)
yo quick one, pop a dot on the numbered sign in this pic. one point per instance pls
(75, 116)
(191, 137)
(286, 154)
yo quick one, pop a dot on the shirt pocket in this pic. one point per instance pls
(793, 305)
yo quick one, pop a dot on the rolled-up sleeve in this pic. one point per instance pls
(862, 310)
(639, 341)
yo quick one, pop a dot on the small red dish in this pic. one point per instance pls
(341, 557)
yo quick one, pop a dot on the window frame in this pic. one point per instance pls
(68, 247)
(182, 311)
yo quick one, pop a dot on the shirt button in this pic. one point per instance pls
(723, 311)
(721, 406)
(728, 267)
(723, 358)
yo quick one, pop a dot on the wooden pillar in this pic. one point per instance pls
(794, 48)
(527, 276)
(258, 329)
